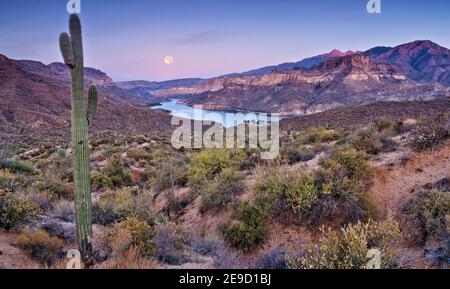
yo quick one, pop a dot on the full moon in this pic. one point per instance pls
(169, 60)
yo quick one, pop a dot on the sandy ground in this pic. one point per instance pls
(394, 185)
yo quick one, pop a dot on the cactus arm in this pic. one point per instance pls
(66, 49)
(92, 103)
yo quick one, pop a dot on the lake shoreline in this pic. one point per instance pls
(176, 108)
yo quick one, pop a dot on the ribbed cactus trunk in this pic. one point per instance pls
(72, 51)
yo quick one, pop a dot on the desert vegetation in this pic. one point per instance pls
(157, 207)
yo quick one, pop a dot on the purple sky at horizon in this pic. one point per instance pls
(129, 39)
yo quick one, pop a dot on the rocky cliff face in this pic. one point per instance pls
(341, 81)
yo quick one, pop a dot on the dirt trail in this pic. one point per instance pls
(12, 257)
(393, 187)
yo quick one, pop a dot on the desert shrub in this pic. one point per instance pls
(128, 234)
(62, 230)
(169, 246)
(228, 258)
(301, 193)
(112, 176)
(138, 154)
(341, 210)
(383, 124)
(8, 180)
(428, 211)
(16, 166)
(354, 163)
(128, 260)
(15, 210)
(249, 230)
(272, 260)
(43, 199)
(430, 133)
(111, 151)
(342, 180)
(54, 187)
(223, 190)
(253, 159)
(206, 245)
(286, 193)
(333, 191)
(171, 172)
(349, 248)
(64, 211)
(116, 206)
(41, 246)
(209, 163)
(367, 140)
(317, 135)
(174, 204)
(336, 180)
(388, 145)
(294, 155)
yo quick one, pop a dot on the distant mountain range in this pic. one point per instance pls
(414, 71)
(38, 95)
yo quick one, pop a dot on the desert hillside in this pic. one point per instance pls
(385, 180)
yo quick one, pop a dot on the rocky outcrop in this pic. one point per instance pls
(342, 81)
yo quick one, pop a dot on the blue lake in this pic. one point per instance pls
(227, 118)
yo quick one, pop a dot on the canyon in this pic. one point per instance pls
(414, 71)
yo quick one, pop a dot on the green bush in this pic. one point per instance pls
(15, 210)
(288, 192)
(317, 135)
(336, 189)
(131, 233)
(112, 176)
(139, 155)
(171, 172)
(349, 249)
(54, 187)
(354, 164)
(248, 231)
(343, 179)
(223, 190)
(294, 155)
(367, 140)
(16, 166)
(41, 246)
(209, 163)
(428, 211)
(116, 206)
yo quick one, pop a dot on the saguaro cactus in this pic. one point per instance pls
(72, 51)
